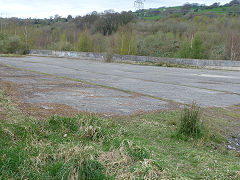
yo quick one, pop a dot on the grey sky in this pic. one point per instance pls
(47, 8)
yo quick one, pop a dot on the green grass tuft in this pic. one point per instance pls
(136, 152)
(189, 125)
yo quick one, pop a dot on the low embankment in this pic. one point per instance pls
(216, 64)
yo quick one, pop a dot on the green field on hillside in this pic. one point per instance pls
(146, 13)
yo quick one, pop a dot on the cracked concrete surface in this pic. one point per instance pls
(156, 86)
(46, 92)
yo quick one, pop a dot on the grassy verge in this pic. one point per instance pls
(91, 147)
(11, 55)
(161, 64)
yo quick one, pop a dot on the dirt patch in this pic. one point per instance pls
(133, 96)
(114, 160)
(9, 88)
(3, 116)
(47, 110)
(17, 92)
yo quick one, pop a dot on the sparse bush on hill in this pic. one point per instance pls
(185, 50)
(98, 43)
(194, 50)
(218, 52)
(62, 46)
(126, 41)
(84, 42)
(197, 49)
(3, 47)
(233, 46)
(11, 44)
(234, 10)
(15, 45)
(3, 42)
(159, 44)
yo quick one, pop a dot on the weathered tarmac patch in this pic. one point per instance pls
(42, 95)
(208, 88)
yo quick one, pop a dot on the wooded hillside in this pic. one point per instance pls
(189, 31)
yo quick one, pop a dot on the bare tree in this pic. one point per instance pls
(186, 8)
(233, 46)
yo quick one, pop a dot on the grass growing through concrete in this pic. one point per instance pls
(91, 147)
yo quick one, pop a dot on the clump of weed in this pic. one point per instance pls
(79, 127)
(89, 169)
(147, 169)
(190, 125)
(109, 57)
(92, 169)
(136, 152)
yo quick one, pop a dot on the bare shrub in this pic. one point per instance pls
(233, 46)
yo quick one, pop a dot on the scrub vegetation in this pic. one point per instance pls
(189, 31)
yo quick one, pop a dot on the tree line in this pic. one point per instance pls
(186, 35)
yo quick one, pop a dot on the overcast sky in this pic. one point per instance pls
(47, 8)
